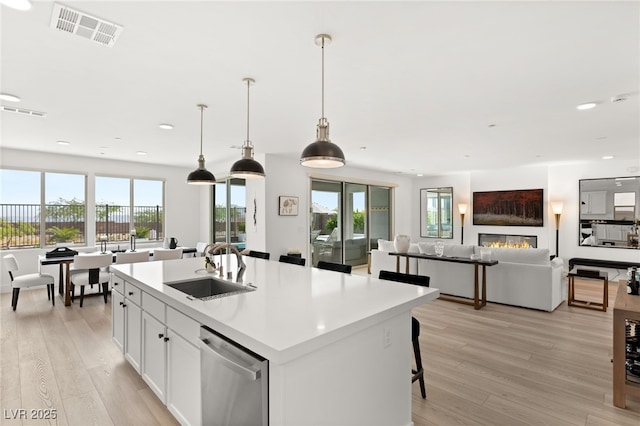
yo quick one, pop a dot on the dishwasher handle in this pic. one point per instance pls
(227, 358)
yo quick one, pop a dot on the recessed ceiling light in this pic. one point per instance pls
(166, 126)
(8, 97)
(17, 4)
(419, 175)
(64, 143)
(588, 105)
(141, 152)
(607, 157)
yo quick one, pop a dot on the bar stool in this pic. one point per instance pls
(423, 280)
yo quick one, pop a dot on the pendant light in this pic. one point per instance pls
(201, 176)
(247, 167)
(322, 153)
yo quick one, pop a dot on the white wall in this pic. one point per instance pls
(183, 203)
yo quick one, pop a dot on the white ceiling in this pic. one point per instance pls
(419, 84)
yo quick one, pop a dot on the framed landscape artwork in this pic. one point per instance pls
(288, 206)
(509, 208)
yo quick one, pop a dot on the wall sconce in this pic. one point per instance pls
(556, 206)
(103, 243)
(133, 240)
(462, 209)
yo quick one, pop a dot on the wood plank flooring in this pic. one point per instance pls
(500, 365)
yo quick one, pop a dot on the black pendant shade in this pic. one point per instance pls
(247, 167)
(322, 153)
(201, 176)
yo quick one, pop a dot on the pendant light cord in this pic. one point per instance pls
(248, 85)
(201, 126)
(322, 77)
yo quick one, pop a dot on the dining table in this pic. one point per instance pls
(64, 273)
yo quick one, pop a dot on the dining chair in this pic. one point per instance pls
(200, 246)
(167, 254)
(132, 256)
(331, 266)
(259, 254)
(422, 280)
(27, 280)
(293, 260)
(89, 269)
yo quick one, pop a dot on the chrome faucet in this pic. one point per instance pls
(212, 249)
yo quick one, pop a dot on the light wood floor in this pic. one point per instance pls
(497, 366)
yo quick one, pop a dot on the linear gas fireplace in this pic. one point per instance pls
(506, 240)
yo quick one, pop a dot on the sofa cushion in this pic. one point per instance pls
(458, 250)
(386, 245)
(530, 256)
(427, 248)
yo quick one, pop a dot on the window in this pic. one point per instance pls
(41, 209)
(124, 205)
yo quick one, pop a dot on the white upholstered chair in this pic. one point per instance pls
(200, 248)
(27, 280)
(167, 254)
(132, 256)
(89, 269)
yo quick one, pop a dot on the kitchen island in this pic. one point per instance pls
(338, 346)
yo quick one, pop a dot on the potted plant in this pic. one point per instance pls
(208, 264)
(62, 235)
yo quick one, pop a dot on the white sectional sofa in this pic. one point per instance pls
(522, 277)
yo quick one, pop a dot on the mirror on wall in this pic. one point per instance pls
(609, 212)
(436, 212)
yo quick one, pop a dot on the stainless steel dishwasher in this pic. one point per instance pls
(235, 383)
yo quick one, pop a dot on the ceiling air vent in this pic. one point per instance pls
(79, 23)
(23, 111)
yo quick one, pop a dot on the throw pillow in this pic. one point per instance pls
(385, 245)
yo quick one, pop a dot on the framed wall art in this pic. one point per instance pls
(288, 205)
(509, 208)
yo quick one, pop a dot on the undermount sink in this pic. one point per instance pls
(208, 288)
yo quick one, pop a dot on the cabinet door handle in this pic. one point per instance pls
(130, 293)
(160, 336)
(124, 305)
(166, 339)
(115, 284)
(121, 303)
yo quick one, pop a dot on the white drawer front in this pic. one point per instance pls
(183, 325)
(117, 284)
(132, 293)
(154, 307)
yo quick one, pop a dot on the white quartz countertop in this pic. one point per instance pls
(294, 310)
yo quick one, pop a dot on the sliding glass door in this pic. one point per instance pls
(346, 220)
(230, 212)
(326, 221)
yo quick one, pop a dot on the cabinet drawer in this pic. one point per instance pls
(132, 293)
(154, 307)
(117, 284)
(183, 325)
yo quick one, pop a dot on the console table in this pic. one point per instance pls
(479, 294)
(625, 307)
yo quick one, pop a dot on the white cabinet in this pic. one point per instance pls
(133, 325)
(117, 319)
(171, 359)
(183, 369)
(593, 202)
(154, 339)
(126, 317)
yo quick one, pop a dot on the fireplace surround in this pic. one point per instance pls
(507, 240)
